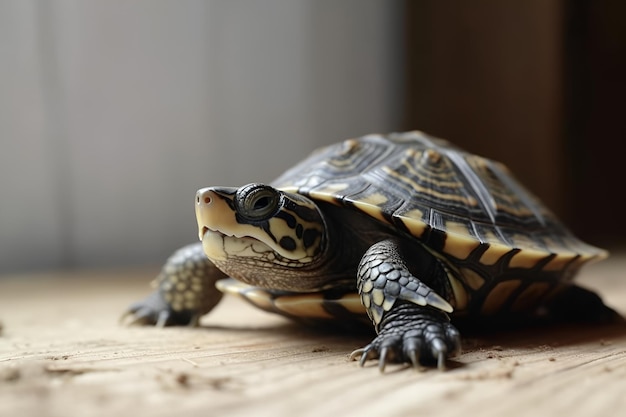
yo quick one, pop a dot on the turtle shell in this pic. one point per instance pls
(458, 204)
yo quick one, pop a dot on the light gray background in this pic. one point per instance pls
(112, 113)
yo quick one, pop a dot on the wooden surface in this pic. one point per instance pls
(62, 353)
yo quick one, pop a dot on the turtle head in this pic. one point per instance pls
(257, 228)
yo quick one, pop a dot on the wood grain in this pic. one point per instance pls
(63, 353)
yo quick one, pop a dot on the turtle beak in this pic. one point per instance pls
(205, 197)
(212, 210)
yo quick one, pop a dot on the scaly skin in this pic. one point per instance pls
(409, 316)
(414, 334)
(185, 290)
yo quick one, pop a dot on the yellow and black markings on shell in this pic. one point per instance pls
(469, 208)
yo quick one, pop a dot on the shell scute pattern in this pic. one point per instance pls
(435, 191)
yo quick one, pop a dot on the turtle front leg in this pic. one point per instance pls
(409, 317)
(185, 291)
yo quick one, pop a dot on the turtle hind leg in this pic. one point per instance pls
(577, 304)
(185, 291)
(409, 317)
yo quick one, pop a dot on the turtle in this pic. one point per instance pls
(404, 231)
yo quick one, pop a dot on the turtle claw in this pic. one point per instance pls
(382, 360)
(411, 350)
(441, 361)
(414, 358)
(154, 310)
(420, 337)
(440, 352)
(162, 318)
(140, 314)
(362, 354)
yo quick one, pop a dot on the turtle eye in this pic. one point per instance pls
(256, 202)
